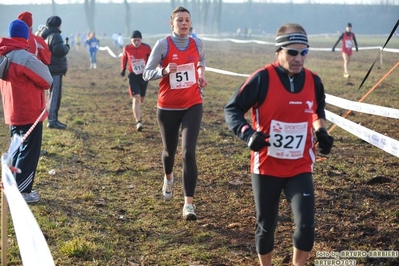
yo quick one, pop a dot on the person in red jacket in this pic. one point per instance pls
(23, 94)
(135, 56)
(287, 104)
(348, 39)
(37, 45)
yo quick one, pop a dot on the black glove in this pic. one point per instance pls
(258, 140)
(123, 73)
(325, 141)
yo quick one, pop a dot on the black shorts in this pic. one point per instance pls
(137, 85)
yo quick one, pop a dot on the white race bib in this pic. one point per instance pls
(138, 66)
(184, 77)
(348, 44)
(287, 140)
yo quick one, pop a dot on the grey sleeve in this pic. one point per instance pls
(152, 70)
(200, 46)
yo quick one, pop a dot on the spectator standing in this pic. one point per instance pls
(78, 40)
(37, 45)
(58, 68)
(115, 39)
(179, 61)
(287, 104)
(121, 41)
(92, 45)
(135, 56)
(24, 102)
(348, 39)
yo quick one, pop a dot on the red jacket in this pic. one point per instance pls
(39, 47)
(23, 87)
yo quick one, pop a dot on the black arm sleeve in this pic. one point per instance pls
(339, 39)
(58, 48)
(250, 94)
(354, 40)
(320, 97)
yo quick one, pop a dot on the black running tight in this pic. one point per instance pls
(169, 122)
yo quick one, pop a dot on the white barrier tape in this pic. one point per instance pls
(362, 107)
(383, 142)
(391, 50)
(225, 72)
(236, 40)
(106, 48)
(32, 245)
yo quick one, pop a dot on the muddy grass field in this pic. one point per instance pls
(103, 205)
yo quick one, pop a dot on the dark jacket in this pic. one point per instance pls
(58, 49)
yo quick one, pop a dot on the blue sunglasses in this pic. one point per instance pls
(295, 52)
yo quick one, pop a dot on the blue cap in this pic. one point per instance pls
(18, 29)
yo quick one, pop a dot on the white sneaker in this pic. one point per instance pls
(139, 126)
(31, 197)
(189, 212)
(94, 65)
(167, 189)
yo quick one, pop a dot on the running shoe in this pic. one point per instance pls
(139, 126)
(189, 212)
(167, 189)
(31, 197)
(346, 75)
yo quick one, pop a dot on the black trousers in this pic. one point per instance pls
(27, 156)
(54, 98)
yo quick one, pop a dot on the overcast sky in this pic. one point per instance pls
(348, 2)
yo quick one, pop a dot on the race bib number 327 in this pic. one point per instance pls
(287, 140)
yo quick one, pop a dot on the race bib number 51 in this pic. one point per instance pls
(184, 77)
(287, 140)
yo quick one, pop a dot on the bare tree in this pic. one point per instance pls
(53, 7)
(90, 13)
(127, 17)
(217, 17)
(204, 13)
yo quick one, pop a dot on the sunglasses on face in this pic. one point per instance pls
(295, 52)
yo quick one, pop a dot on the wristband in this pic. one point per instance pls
(245, 127)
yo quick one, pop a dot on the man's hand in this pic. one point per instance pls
(325, 141)
(257, 141)
(123, 73)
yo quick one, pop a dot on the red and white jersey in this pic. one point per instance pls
(287, 117)
(347, 43)
(135, 58)
(180, 90)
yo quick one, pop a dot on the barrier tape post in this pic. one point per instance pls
(4, 216)
(367, 94)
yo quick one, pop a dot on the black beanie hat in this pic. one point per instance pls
(349, 25)
(136, 34)
(54, 21)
